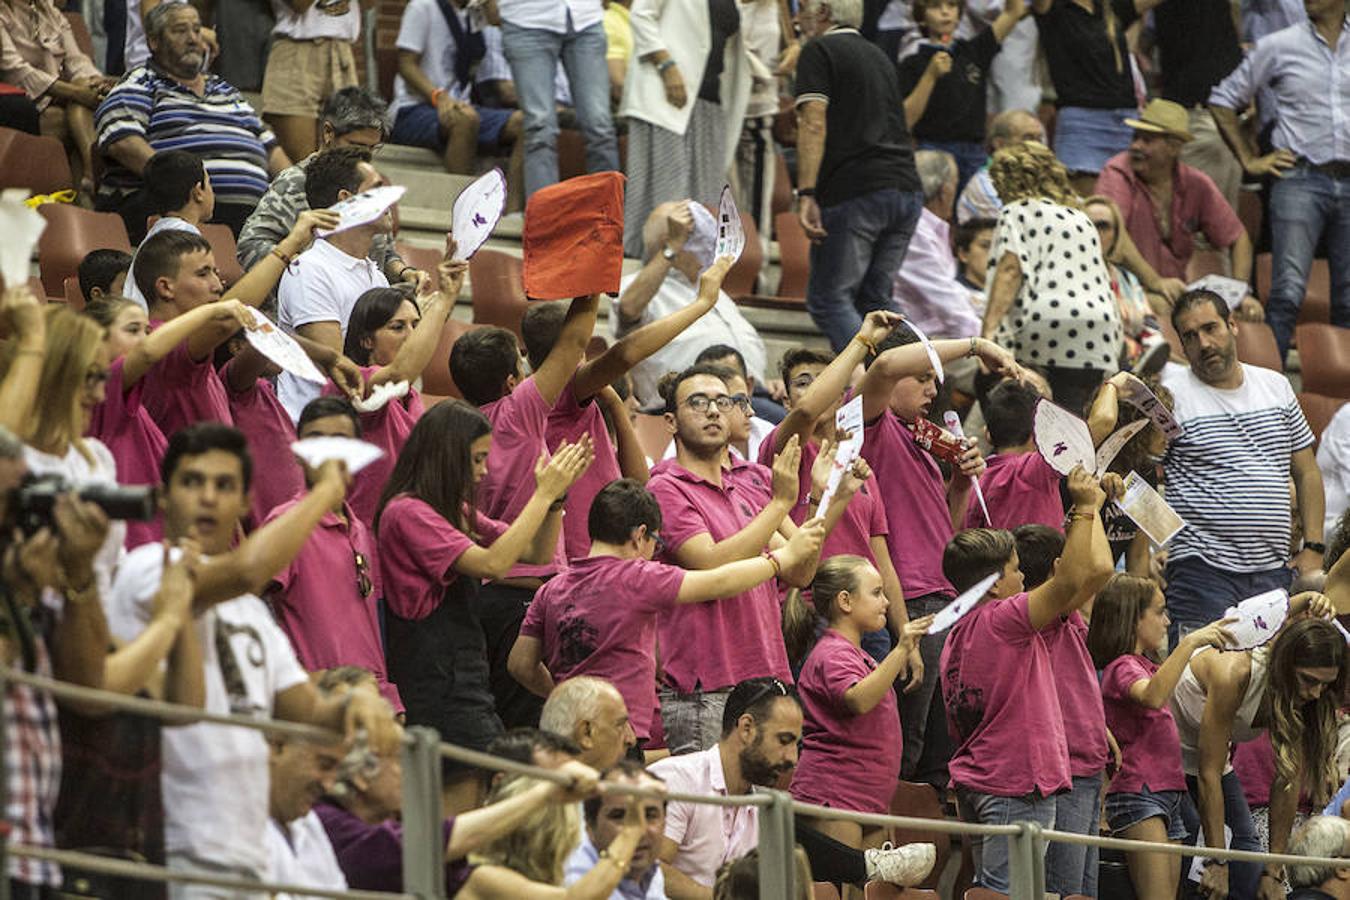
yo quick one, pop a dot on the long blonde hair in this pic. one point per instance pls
(539, 846)
(73, 341)
(1030, 171)
(1303, 733)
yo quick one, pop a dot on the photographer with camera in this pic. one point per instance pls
(51, 624)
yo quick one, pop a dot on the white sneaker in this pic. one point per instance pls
(904, 866)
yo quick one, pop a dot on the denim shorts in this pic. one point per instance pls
(1086, 138)
(1125, 810)
(420, 126)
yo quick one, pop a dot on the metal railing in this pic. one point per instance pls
(424, 854)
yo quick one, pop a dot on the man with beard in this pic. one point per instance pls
(170, 103)
(761, 728)
(1243, 437)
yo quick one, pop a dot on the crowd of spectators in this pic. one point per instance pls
(517, 570)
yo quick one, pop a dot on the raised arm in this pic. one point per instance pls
(627, 446)
(479, 827)
(204, 328)
(702, 552)
(1156, 692)
(552, 479)
(640, 291)
(864, 696)
(28, 326)
(916, 103)
(1086, 561)
(830, 384)
(416, 352)
(171, 636)
(912, 360)
(561, 363)
(1105, 410)
(1013, 12)
(259, 282)
(736, 578)
(640, 343)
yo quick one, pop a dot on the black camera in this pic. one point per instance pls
(32, 502)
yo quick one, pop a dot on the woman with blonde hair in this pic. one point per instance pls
(70, 386)
(1050, 297)
(527, 863)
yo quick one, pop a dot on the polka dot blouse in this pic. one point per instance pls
(1064, 315)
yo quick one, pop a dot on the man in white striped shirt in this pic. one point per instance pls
(1228, 474)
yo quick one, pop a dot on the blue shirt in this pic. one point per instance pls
(652, 886)
(1310, 84)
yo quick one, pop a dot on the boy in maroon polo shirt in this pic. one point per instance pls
(924, 507)
(325, 599)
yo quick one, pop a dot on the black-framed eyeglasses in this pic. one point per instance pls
(699, 403)
(743, 401)
(364, 587)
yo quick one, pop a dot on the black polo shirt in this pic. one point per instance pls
(867, 146)
(1081, 58)
(956, 108)
(1197, 48)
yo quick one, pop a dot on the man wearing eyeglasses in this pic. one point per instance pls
(325, 599)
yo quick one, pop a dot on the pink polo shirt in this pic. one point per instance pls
(717, 644)
(180, 391)
(915, 497)
(387, 428)
(277, 477)
(863, 519)
(519, 424)
(1197, 207)
(848, 761)
(1150, 748)
(417, 550)
(1002, 707)
(1020, 489)
(1080, 696)
(567, 421)
(599, 618)
(319, 603)
(707, 836)
(135, 441)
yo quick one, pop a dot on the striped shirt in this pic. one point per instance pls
(1228, 473)
(218, 126)
(33, 762)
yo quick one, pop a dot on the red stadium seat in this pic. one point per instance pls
(1324, 351)
(1319, 409)
(36, 163)
(1256, 346)
(225, 250)
(1317, 293)
(498, 284)
(883, 890)
(741, 280)
(921, 801)
(794, 260)
(653, 434)
(71, 233)
(823, 890)
(74, 296)
(436, 380)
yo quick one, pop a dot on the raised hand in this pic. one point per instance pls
(786, 466)
(553, 476)
(1085, 490)
(915, 629)
(710, 282)
(1215, 634)
(803, 546)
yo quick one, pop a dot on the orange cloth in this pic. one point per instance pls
(573, 238)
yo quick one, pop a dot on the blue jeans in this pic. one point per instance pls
(1305, 205)
(1072, 868)
(1242, 877)
(970, 157)
(1198, 593)
(853, 266)
(991, 852)
(533, 55)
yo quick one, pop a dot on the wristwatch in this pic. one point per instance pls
(1315, 546)
(804, 192)
(668, 254)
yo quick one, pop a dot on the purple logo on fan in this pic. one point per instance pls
(1261, 623)
(478, 219)
(1061, 447)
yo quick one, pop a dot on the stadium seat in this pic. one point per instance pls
(74, 296)
(979, 893)
(823, 890)
(1319, 409)
(71, 233)
(424, 258)
(1317, 294)
(794, 262)
(782, 186)
(498, 285)
(884, 890)
(744, 273)
(653, 435)
(1205, 262)
(225, 250)
(36, 163)
(1256, 346)
(921, 801)
(1324, 351)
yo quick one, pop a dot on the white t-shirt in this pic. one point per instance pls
(215, 779)
(424, 31)
(1333, 458)
(307, 858)
(321, 285)
(137, 51)
(337, 19)
(79, 471)
(724, 324)
(132, 291)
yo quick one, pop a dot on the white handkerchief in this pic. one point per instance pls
(21, 227)
(381, 394)
(356, 454)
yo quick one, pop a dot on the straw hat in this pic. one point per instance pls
(1163, 117)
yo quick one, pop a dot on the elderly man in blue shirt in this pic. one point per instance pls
(605, 819)
(1306, 68)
